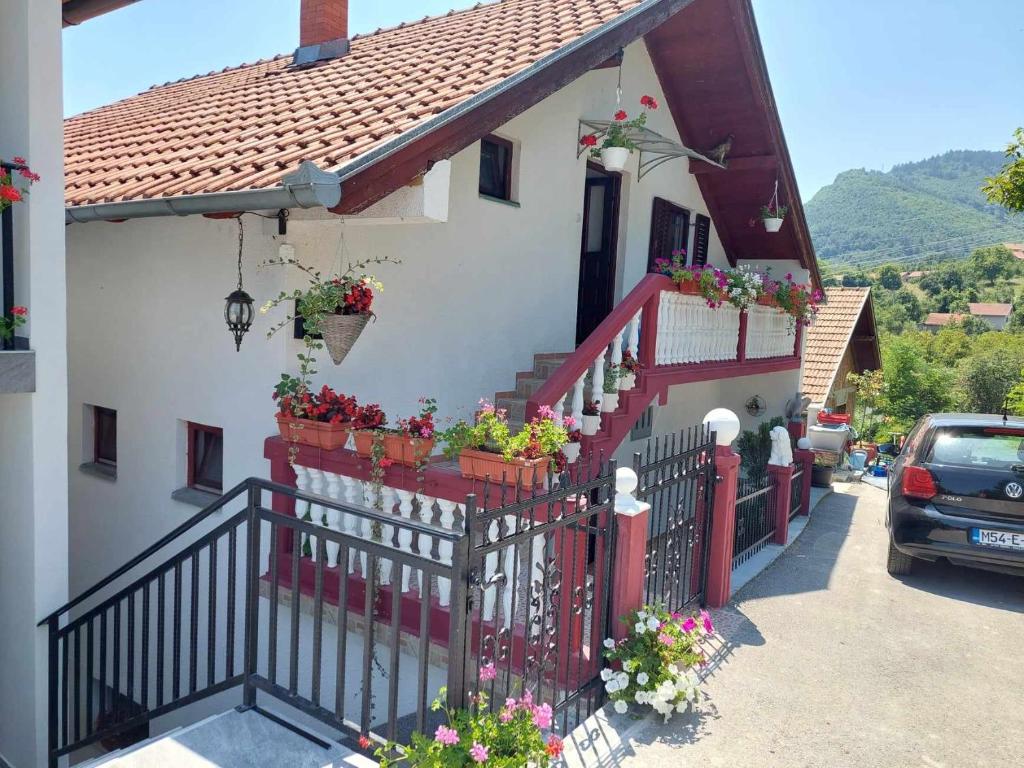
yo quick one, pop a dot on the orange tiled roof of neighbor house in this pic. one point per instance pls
(1017, 249)
(828, 337)
(943, 318)
(246, 127)
(984, 309)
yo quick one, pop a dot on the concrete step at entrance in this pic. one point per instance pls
(235, 739)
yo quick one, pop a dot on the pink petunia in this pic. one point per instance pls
(666, 639)
(542, 716)
(690, 624)
(488, 672)
(706, 618)
(478, 752)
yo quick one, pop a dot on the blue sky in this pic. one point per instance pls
(859, 85)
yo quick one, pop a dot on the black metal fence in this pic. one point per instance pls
(755, 518)
(7, 262)
(540, 578)
(676, 477)
(796, 493)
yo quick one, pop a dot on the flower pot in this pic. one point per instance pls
(317, 434)
(627, 381)
(406, 450)
(340, 333)
(689, 288)
(772, 224)
(481, 465)
(591, 424)
(363, 441)
(614, 158)
(767, 301)
(571, 451)
(610, 402)
(821, 477)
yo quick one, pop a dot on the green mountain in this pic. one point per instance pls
(924, 211)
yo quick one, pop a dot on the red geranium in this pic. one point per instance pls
(20, 311)
(649, 102)
(10, 194)
(621, 115)
(590, 140)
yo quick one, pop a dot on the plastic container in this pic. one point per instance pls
(858, 459)
(829, 438)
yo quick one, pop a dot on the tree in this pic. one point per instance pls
(856, 280)
(952, 301)
(991, 262)
(889, 277)
(1007, 187)
(945, 277)
(870, 386)
(912, 386)
(986, 379)
(910, 303)
(973, 326)
(950, 345)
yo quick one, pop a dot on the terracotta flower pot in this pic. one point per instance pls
(409, 451)
(363, 440)
(767, 301)
(481, 465)
(689, 288)
(317, 434)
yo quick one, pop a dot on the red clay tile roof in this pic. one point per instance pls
(984, 309)
(943, 318)
(828, 338)
(246, 127)
(1017, 249)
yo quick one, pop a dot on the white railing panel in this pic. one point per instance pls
(689, 331)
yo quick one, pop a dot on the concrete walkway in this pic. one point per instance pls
(827, 662)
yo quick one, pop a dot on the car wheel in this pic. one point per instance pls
(898, 563)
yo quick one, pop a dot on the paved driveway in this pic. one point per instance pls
(830, 662)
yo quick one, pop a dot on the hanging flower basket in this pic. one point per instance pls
(483, 465)
(340, 333)
(773, 214)
(316, 434)
(614, 158)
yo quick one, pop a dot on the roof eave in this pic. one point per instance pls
(74, 12)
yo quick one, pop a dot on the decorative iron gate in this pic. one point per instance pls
(539, 594)
(755, 518)
(796, 493)
(677, 477)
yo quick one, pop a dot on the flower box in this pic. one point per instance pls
(482, 465)
(317, 434)
(363, 441)
(406, 450)
(767, 301)
(689, 287)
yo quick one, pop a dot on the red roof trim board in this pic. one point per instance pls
(404, 98)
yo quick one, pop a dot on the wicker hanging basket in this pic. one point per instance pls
(340, 333)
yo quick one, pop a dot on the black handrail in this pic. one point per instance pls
(151, 550)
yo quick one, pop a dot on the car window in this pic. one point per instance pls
(992, 447)
(914, 438)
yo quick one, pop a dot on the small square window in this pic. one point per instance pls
(496, 167)
(644, 425)
(104, 428)
(205, 458)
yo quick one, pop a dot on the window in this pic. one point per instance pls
(104, 431)
(644, 425)
(205, 458)
(701, 238)
(496, 168)
(670, 228)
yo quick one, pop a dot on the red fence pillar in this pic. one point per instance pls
(631, 521)
(723, 527)
(805, 459)
(782, 477)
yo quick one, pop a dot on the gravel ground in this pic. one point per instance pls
(829, 662)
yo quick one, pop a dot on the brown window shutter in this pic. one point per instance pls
(701, 237)
(670, 226)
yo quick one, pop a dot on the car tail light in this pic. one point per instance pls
(918, 483)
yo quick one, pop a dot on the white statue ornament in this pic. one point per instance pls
(782, 450)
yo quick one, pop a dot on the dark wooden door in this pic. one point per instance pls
(598, 251)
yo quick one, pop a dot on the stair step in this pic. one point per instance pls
(515, 407)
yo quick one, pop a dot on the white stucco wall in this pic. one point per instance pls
(33, 450)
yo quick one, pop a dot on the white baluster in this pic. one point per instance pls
(511, 573)
(559, 408)
(633, 336)
(353, 494)
(332, 518)
(369, 499)
(577, 399)
(617, 348)
(444, 548)
(538, 544)
(424, 544)
(490, 568)
(302, 484)
(404, 534)
(597, 392)
(389, 497)
(316, 487)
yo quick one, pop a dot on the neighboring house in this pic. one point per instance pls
(1017, 249)
(843, 340)
(996, 315)
(387, 144)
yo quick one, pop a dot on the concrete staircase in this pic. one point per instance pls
(527, 383)
(234, 739)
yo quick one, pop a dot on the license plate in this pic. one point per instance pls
(1002, 539)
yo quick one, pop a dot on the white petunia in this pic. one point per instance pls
(609, 643)
(640, 628)
(681, 706)
(621, 707)
(639, 697)
(653, 623)
(622, 678)
(642, 678)
(606, 674)
(673, 668)
(641, 615)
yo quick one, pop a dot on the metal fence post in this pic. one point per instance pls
(252, 586)
(460, 627)
(53, 716)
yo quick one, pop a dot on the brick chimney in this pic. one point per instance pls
(323, 31)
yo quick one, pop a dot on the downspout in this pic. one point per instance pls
(308, 187)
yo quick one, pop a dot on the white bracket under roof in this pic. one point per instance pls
(654, 148)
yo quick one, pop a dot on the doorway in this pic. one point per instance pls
(598, 250)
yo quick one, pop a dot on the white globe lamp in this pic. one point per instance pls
(804, 443)
(725, 424)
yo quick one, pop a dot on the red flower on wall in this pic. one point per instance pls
(20, 311)
(621, 115)
(590, 140)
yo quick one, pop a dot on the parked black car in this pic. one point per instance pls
(956, 491)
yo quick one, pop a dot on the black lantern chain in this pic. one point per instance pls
(238, 312)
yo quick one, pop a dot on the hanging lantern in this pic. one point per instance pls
(238, 313)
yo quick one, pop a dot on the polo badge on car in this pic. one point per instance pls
(1014, 490)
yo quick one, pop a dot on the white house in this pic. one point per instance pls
(450, 144)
